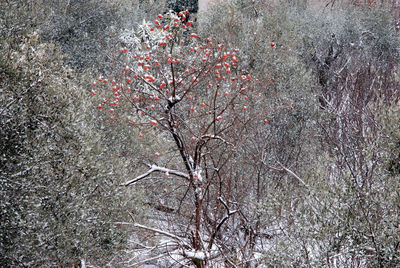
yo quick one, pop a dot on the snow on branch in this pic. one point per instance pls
(154, 230)
(210, 136)
(230, 212)
(294, 175)
(195, 255)
(151, 259)
(285, 169)
(154, 168)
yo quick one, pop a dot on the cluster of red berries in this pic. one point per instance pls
(147, 78)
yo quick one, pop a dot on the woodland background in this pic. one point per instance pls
(318, 185)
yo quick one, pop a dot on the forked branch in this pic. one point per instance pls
(154, 168)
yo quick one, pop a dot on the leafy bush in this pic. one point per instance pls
(59, 200)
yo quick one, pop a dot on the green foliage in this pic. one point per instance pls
(317, 185)
(181, 5)
(87, 31)
(345, 62)
(59, 199)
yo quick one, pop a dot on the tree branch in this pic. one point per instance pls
(294, 175)
(222, 221)
(210, 136)
(154, 168)
(154, 230)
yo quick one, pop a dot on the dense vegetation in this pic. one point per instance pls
(256, 134)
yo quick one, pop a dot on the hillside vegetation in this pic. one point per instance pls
(150, 134)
